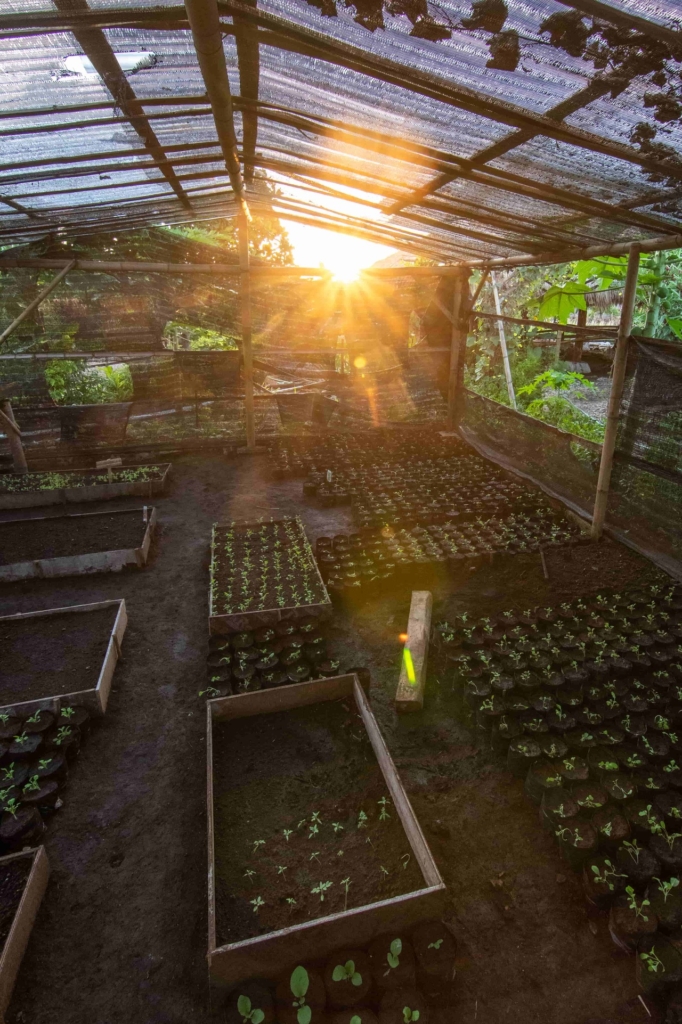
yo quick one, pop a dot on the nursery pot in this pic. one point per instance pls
(603, 885)
(557, 807)
(39, 722)
(20, 829)
(627, 926)
(638, 863)
(577, 841)
(666, 907)
(384, 974)
(393, 1003)
(435, 950)
(658, 964)
(542, 775)
(522, 753)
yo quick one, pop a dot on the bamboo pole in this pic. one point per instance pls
(617, 384)
(458, 340)
(247, 350)
(38, 299)
(14, 438)
(503, 344)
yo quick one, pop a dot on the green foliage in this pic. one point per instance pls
(559, 380)
(249, 1016)
(347, 972)
(559, 303)
(179, 335)
(73, 383)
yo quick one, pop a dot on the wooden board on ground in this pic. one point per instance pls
(94, 699)
(90, 562)
(24, 916)
(271, 954)
(92, 492)
(409, 695)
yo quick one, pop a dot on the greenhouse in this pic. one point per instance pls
(365, 318)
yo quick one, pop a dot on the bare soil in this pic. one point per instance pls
(53, 655)
(20, 541)
(302, 771)
(121, 936)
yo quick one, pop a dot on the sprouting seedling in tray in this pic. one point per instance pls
(299, 983)
(249, 1014)
(393, 956)
(320, 890)
(347, 972)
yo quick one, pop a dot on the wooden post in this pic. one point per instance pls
(579, 337)
(410, 693)
(247, 350)
(38, 299)
(503, 344)
(458, 339)
(14, 437)
(617, 383)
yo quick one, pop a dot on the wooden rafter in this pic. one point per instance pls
(96, 48)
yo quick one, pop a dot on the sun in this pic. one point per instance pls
(344, 256)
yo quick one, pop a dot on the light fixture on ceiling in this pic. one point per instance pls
(79, 64)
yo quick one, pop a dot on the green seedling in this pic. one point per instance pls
(257, 904)
(32, 785)
(435, 945)
(355, 1019)
(346, 883)
(249, 1015)
(66, 712)
(634, 849)
(405, 860)
(34, 718)
(210, 691)
(21, 739)
(315, 855)
(257, 844)
(301, 822)
(291, 903)
(249, 873)
(12, 807)
(410, 1015)
(320, 889)
(299, 983)
(337, 826)
(385, 870)
(637, 907)
(362, 820)
(666, 888)
(314, 829)
(347, 972)
(652, 961)
(383, 814)
(4, 718)
(316, 817)
(286, 832)
(393, 956)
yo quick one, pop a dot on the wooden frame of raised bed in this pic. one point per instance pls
(242, 622)
(94, 699)
(78, 565)
(278, 951)
(95, 492)
(24, 917)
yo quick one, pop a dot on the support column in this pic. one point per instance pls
(503, 344)
(247, 350)
(461, 308)
(16, 448)
(38, 299)
(617, 384)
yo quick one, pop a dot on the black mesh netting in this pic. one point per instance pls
(645, 501)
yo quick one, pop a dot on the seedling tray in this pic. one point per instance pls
(268, 955)
(55, 540)
(24, 917)
(255, 616)
(93, 698)
(67, 487)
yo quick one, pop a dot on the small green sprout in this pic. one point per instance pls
(634, 905)
(211, 691)
(337, 826)
(652, 961)
(393, 955)
(257, 843)
(667, 887)
(320, 889)
(314, 829)
(298, 983)
(316, 817)
(346, 883)
(405, 860)
(44, 762)
(33, 784)
(385, 870)
(410, 1015)
(67, 712)
(362, 820)
(347, 972)
(257, 904)
(286, 832)
(292, 902)
(315, 855)
(301, 822)
(281, 868)
(249, 1016)
(435, 945)
(383, 815)
(34, 718)
(249, 873)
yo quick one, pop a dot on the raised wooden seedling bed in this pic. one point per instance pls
(75, 545)
(318, 744)
(250, 563)
(85, 642)
(30, 490)
(23, 879)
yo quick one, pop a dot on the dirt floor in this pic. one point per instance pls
(121, 936)
(21, 542)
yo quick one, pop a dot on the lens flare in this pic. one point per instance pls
(360, 363)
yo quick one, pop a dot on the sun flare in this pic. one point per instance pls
(344, 256)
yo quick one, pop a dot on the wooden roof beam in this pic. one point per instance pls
(96, 48)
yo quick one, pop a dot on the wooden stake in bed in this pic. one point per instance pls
(617, 383)
(410, 693)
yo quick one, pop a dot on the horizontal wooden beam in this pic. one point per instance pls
(217, 269)
(568, 256)
(547, 324)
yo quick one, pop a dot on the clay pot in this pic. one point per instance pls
(348, 991)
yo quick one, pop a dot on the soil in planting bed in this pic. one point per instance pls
(43, 657)
(11, 483)
(22, 540)
(301, 791)
(120, 941)
(13, 878)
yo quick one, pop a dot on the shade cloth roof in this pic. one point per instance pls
(441, 154)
